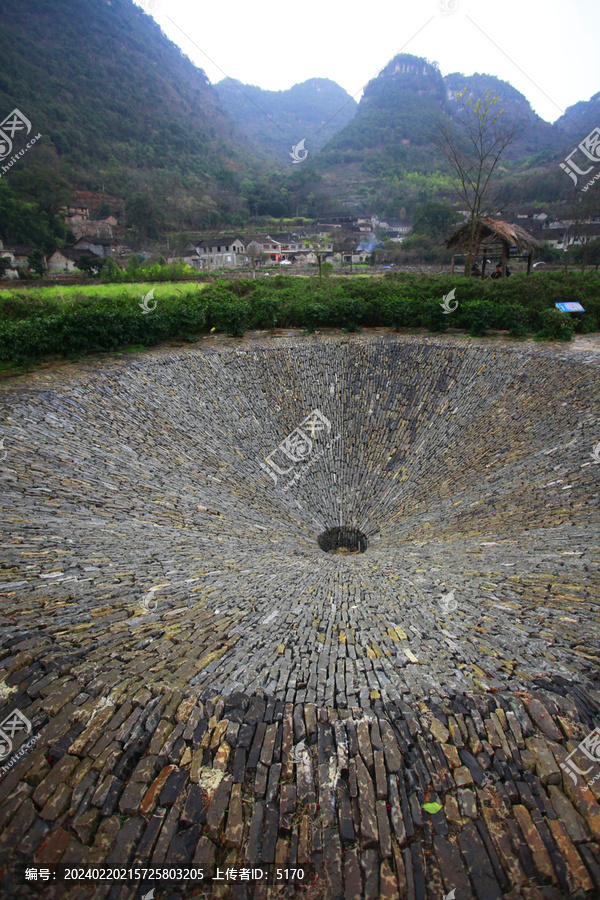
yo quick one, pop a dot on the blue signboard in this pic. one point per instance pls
(570, 307)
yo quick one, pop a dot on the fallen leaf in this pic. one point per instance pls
(432, 807)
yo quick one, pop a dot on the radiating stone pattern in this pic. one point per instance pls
(167, 614)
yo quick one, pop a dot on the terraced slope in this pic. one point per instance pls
(225, 568)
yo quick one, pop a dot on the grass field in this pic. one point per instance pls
(68, 293)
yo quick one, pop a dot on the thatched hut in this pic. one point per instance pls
(493, 237)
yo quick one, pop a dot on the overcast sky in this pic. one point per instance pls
(547, 49)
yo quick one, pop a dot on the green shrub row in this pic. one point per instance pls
(98, 327)
(32, 326)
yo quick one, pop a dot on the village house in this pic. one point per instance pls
(367, 220)
(100, 246)
(533, 214)
(224, 251)
(583, 233)
(556, 241)
(554, 238)
(83, 218)
(306, 256)
(263, 243)
(357, 257)
(284, 247)
(295, 248)
(8, 255)
(401, 226)
(110, 221)
(289, 243)
(570, 235)
(336, 222)
(366, 228)
(76, 213)
(189, 256)
(65, 259)
(19, 253)
(17, 257)
(233, 251)
(561, 233)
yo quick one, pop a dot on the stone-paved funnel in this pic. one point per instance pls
(142, 532)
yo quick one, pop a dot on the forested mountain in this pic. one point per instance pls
(386, 158)
(122, 110)
(104, 84)
(396, 112)
(120, 107)
(387, 141)
(536, 135)
(313, 111)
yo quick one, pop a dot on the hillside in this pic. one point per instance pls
(386, 158)
(125, 114)
(396, 112)
(121, 107)
(578, 120)
(276, 120)
(537, 136)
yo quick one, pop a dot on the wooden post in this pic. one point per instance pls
(483, 266)
(504, 258)
(452, 273)
(529, 258)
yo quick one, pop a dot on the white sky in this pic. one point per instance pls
(547, 49)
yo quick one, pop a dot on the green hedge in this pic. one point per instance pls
(96, 326)
(555, 325)
(33, 325)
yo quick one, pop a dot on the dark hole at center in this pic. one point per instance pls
(343, 540)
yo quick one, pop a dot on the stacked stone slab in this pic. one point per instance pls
(208, 685)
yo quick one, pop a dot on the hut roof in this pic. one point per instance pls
(490, 231)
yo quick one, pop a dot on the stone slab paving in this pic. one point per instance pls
(205, 686)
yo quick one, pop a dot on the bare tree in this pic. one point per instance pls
(579, 215)
(319, 245)
(473, 149)
(344, 243)
(256, 255)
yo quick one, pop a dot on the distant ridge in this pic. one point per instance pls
(313, 110)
